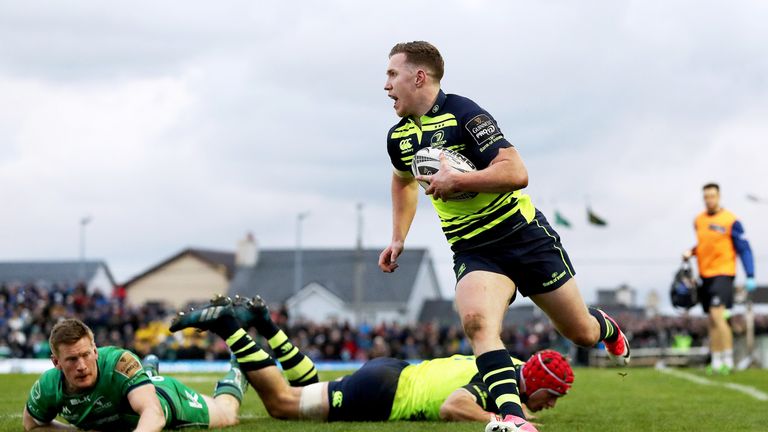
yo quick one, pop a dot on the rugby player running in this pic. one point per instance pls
(108, 389)
(382, 389)
(502, 244)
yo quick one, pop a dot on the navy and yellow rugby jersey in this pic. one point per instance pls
(459, 124)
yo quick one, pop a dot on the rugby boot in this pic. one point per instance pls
(251, 312)
(509, 423)
(205, 318)
(618, 350)
(151, 365)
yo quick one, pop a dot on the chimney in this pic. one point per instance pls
(247, 253)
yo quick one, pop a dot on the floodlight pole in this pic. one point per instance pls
(83, 223)
(359, 267)
(298, 268)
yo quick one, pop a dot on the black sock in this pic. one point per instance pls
(608, 331)
(225, 326)
(266, 328)
(498, 373)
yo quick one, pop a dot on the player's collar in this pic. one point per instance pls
(438, 105)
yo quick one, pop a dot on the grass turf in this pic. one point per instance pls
(601, 400)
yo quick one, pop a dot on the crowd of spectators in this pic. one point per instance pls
(28, 312)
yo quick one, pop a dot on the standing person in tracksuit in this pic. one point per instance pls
(720, 238)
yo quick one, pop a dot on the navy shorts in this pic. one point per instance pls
(367, 394)
(532, 257)
(716, 291)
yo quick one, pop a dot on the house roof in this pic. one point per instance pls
(211, 257)
(440, 310)
(273, 276)
(51, 271)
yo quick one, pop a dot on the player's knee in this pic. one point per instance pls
(279, 407)
(272, 406)
(474, 325)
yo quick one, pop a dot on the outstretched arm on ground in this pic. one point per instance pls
(145, 403)
(30, 423)
(461, 406)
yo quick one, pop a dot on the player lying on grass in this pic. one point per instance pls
(382, 389)
(107, 389)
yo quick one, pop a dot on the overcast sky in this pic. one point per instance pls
(189, 123)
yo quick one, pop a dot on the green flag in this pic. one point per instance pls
(560, 220)
(595, 219)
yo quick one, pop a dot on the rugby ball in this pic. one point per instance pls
(426, 161)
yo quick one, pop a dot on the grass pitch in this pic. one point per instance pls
(602, 400)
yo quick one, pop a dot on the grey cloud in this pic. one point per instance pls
(628, 104)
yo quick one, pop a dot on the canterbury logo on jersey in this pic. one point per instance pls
(338, 398)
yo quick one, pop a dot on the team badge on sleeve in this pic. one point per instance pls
(483, 129)
(35, 391)
(128, 365)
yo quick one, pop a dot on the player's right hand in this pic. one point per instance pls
(388, 257)
(687, 254)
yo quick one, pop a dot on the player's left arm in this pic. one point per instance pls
(144, 402)
(501, 169)
(505, 173)
(461, 405)
(742, 247)
(31, 423)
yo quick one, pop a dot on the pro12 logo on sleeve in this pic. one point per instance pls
(128, 365)
(483, 129)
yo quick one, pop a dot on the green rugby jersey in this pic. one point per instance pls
(422, 388)
(459, 124)
(105, 407)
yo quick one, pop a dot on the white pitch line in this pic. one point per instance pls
(198, 378)
(747, 390)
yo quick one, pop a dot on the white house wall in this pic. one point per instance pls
(316, 303)
(100, 282)
(425, 288)
(388, 316)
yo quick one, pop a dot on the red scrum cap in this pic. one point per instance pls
(547, 370)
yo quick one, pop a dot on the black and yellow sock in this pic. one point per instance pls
(499, 375)
(608, 332)
(249, 354)
(298, 368)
